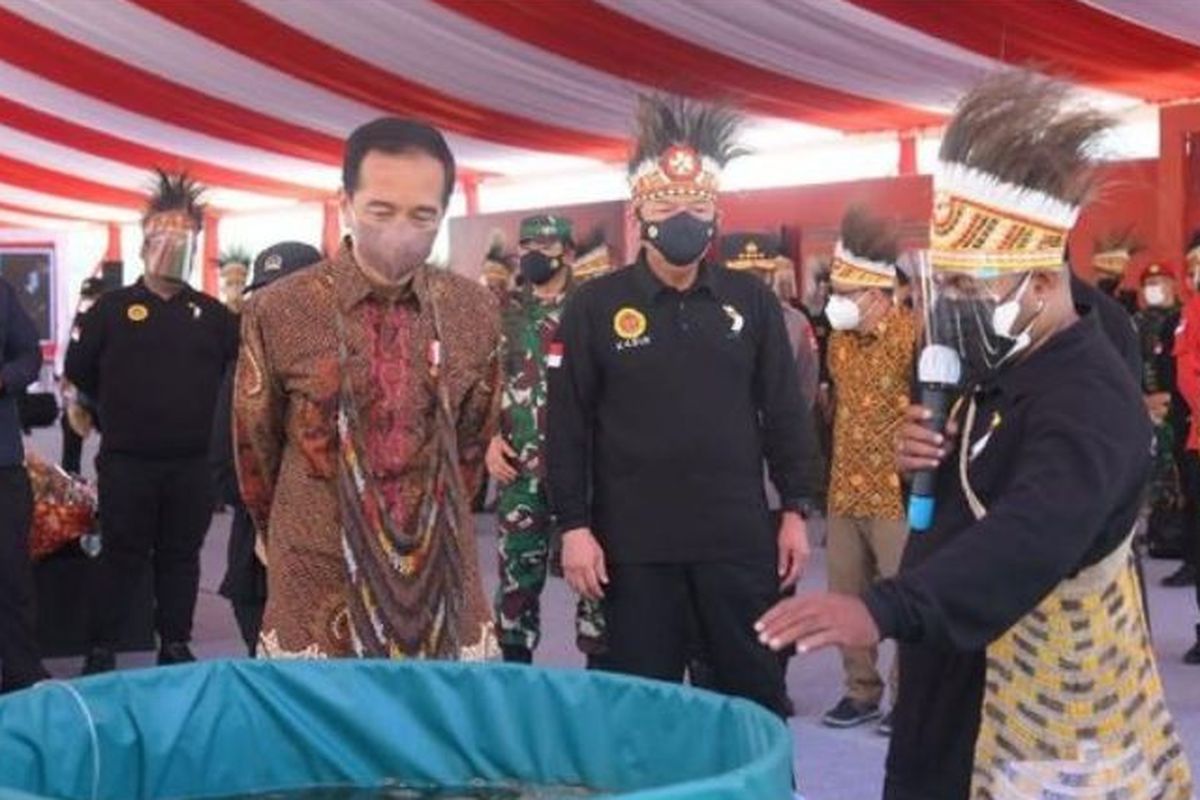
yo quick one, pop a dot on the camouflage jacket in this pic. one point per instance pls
(529, 327)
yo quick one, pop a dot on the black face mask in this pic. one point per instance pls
(538, 268)
(681, 239)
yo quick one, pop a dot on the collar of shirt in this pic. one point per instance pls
(144, 293)
(1044, 365)
(652, 288)
(351, 285)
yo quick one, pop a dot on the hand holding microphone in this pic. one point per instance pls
(924, 438)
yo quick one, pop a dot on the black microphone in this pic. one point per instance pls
(939, 371)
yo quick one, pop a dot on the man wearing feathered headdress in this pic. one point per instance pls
(1025, 663)
(673, 380)
(870, 365)
(152, 355)
(530, 320)
(1111, 259)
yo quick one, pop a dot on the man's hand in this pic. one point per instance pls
(1158, 405)
(497, 459)
(79, 420)
(919, 448)
(818, 620)
(793, 548)
(583, 563)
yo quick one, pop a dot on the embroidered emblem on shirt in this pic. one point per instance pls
(629, 323)
(736, 320)
(137, 313)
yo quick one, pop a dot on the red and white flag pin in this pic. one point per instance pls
(554, 358)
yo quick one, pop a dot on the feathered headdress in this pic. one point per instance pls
(865, 255)
(1114, 251)
(236, 255)
(681, 148)
(1014, 168)
(497, 263)
(592, 257)
(175, 200)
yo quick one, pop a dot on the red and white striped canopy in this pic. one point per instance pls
(256, 96)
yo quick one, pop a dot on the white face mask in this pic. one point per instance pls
(1004, 319)
(1155, 296)
(843, 313)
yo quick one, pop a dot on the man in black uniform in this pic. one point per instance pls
(152, 355)
(669, 383)
(20, 359)
(245, 582)
(1025, 662)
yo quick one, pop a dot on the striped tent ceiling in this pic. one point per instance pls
(256, 96)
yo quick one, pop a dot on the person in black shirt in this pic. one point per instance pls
(77, 413)
(20, 359)
(152, 355)
(1024, 652)
(669, 382)
(245, 582)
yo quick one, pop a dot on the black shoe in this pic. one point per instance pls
(850, 713)
(516, 654)
(885, 725)
(175, 653)
(1184, 576)
(99, 661)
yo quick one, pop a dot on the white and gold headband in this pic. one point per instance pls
(852, 270)
(988, 227)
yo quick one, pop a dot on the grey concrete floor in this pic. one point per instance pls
(830, 765)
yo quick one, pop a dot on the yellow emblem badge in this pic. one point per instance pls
(137, 312)
(629, 323)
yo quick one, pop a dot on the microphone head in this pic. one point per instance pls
(939, 364)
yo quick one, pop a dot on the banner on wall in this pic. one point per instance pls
(29, 269)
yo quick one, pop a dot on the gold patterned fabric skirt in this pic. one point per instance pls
(1073, 704)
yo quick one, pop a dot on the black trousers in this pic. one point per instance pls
(1189, 479)
(20, 659)
(655, 611)
(72, 447)
(154, 515)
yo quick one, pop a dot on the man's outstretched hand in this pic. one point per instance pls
(814, 621)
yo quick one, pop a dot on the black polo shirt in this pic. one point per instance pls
(154, 366)
(1059, 456)
(662, 407)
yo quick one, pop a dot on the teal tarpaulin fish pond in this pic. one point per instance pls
(373, 730)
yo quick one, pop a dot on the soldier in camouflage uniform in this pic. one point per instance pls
(1156, 323)
(531, 316)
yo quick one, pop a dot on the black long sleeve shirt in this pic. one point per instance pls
(1060, 456)
(662, 407)
(154, 366)
(20, 360)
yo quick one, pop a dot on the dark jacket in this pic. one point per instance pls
(20, 360)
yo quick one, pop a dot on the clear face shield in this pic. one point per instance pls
(982, 322)
(169, 254)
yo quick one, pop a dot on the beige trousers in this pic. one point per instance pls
(861, 551)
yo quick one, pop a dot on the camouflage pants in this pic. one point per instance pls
(1165, 495)
(525, 562)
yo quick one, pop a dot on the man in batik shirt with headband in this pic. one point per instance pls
(1025, 665)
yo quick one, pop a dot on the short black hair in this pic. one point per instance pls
(394, 135)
